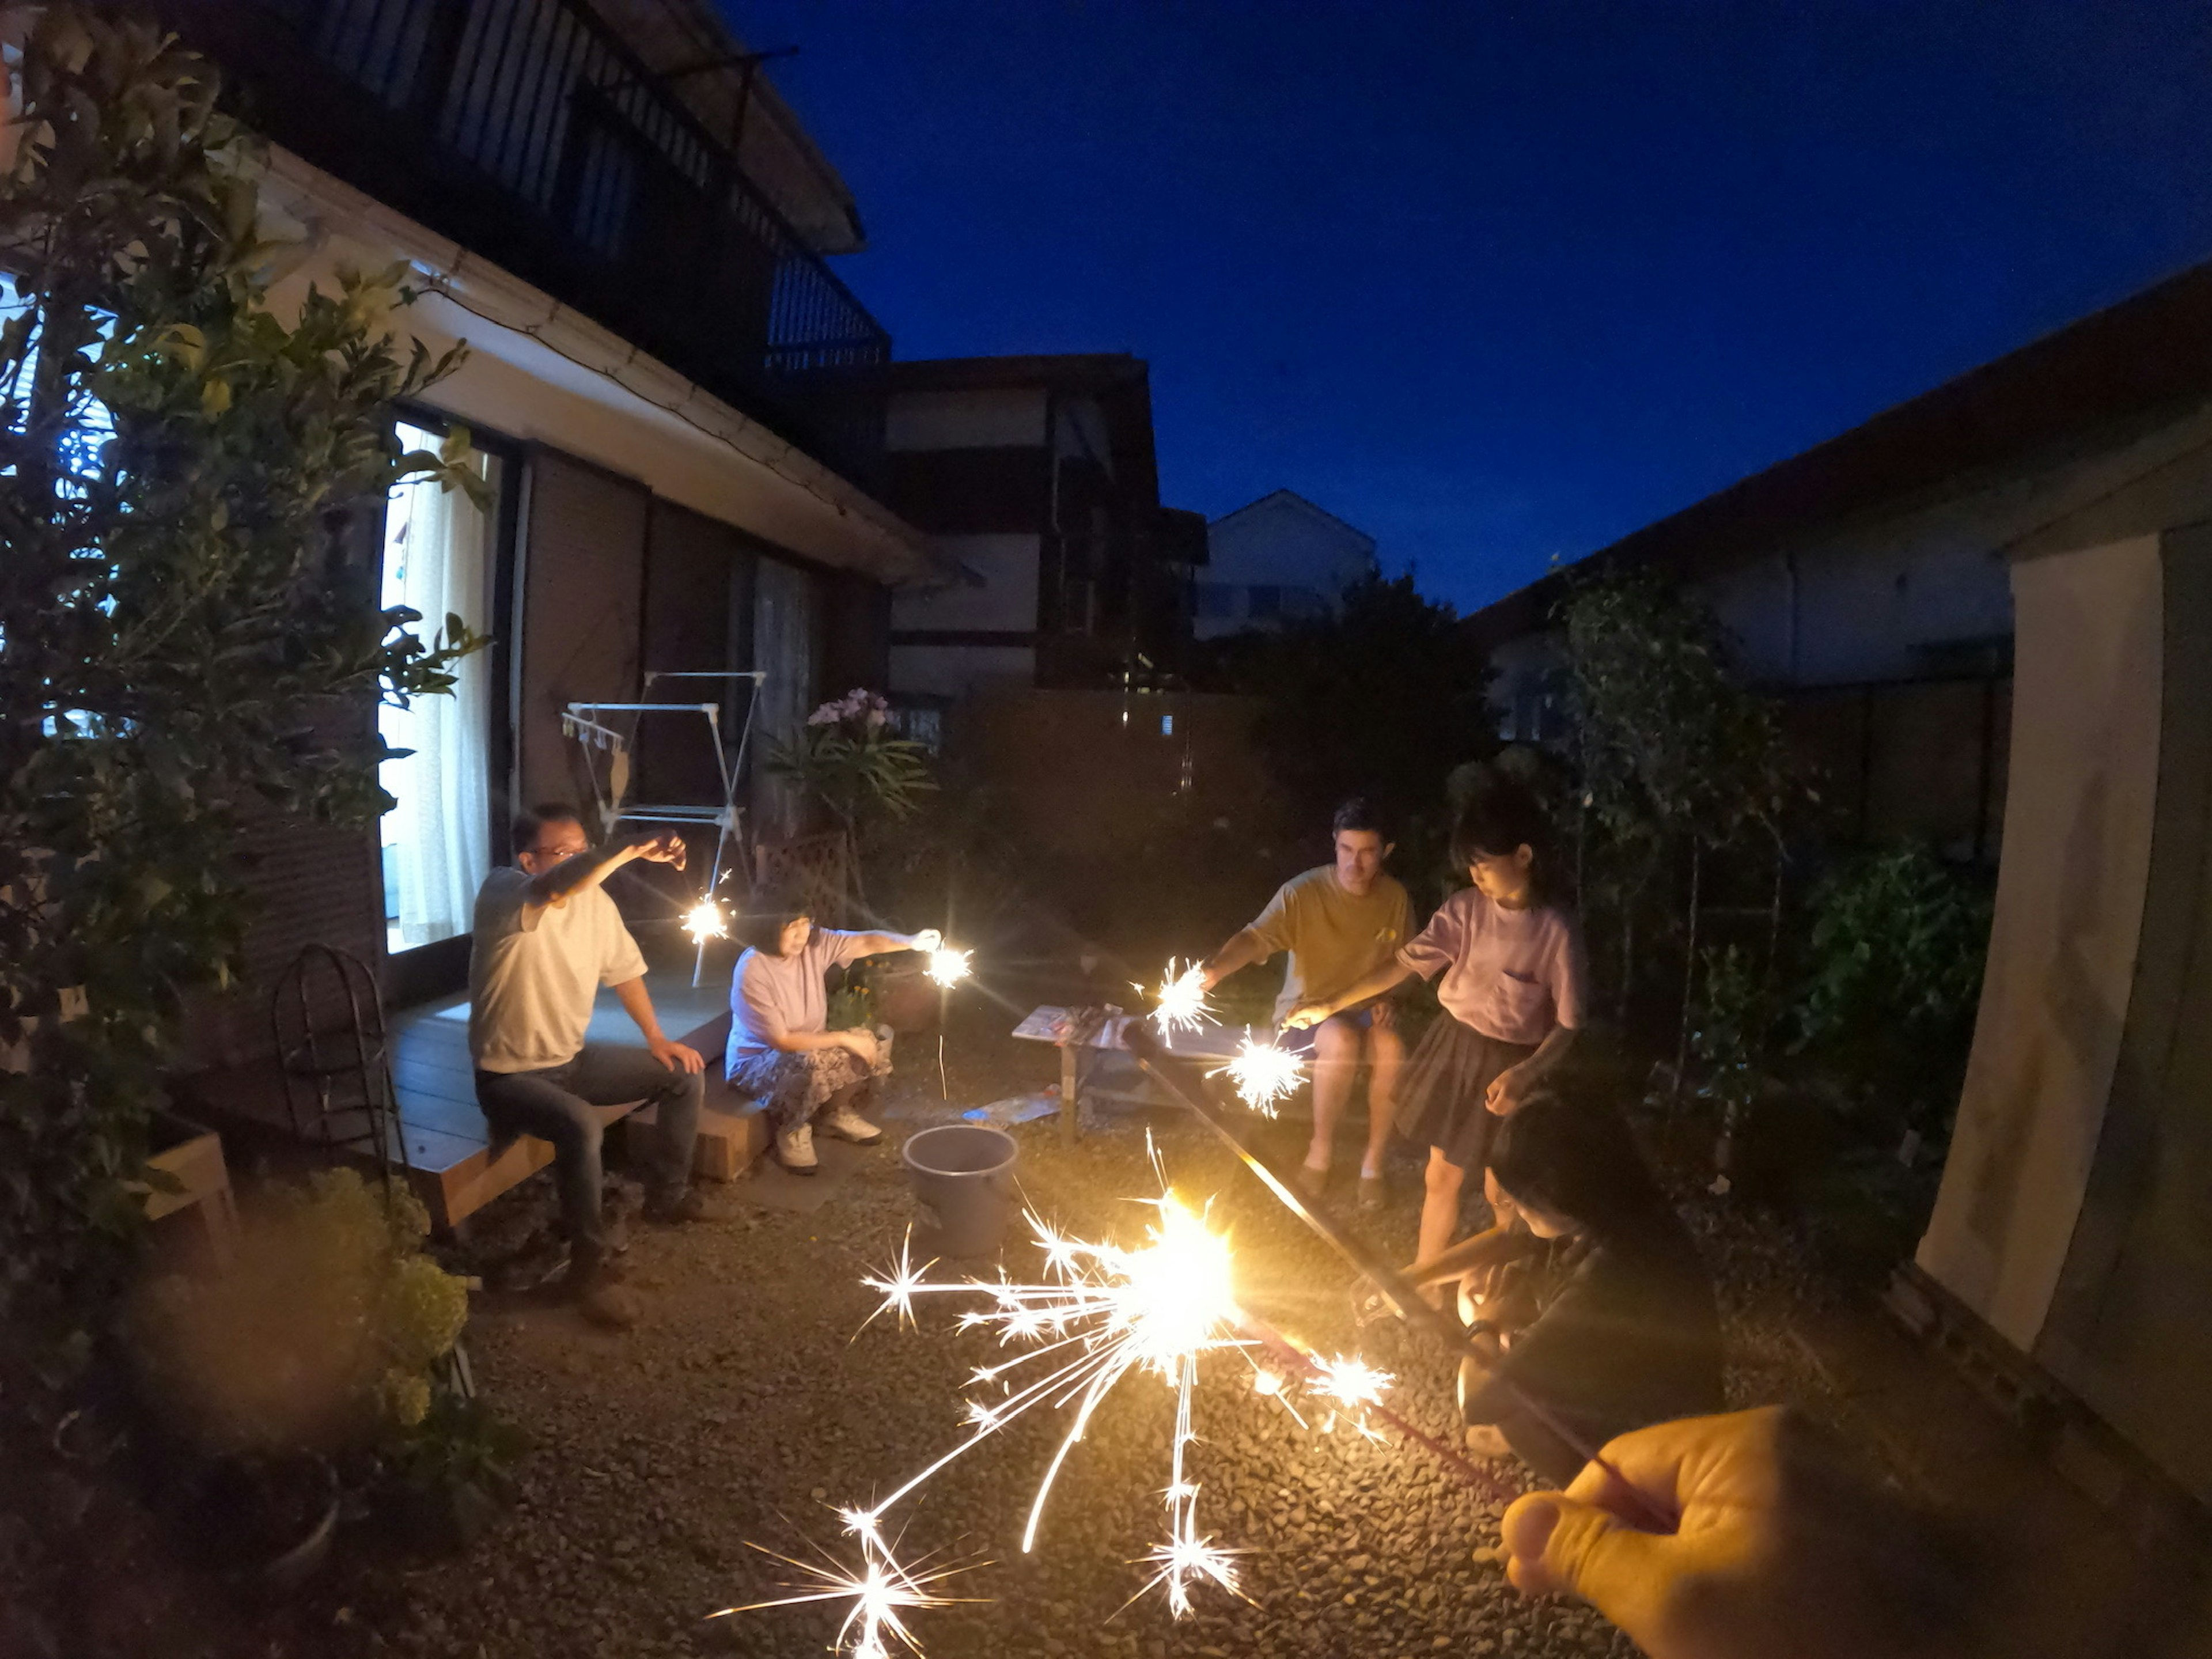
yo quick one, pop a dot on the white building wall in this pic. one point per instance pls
(1281, 541)
(1878, 598)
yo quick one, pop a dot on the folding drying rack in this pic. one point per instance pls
(587, 723)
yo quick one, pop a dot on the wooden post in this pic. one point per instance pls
(1069, 1127)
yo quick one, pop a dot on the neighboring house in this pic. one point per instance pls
(1866, 580)
(2025, 553)
(679, 406)
(1276, 560)
(1036, 475)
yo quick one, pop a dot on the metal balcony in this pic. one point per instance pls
(528, 131)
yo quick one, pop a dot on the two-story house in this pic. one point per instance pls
(678, 403)
(1037, 478)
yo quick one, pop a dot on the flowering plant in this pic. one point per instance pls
(846, 757)
(859, 708)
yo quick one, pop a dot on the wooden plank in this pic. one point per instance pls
(448, 1082)
(732, 1131)
(451, 1117)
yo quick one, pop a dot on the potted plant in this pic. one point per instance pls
(319, 1345)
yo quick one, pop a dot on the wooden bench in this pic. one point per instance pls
(451, 1161)
(734, 1130)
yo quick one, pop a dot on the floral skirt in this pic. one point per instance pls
(794, 1087)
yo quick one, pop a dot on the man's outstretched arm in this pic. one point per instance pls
(1243, 949)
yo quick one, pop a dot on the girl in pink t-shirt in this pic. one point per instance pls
(1513, 992)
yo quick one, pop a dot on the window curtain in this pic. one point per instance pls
(438, 837)
(785, 607)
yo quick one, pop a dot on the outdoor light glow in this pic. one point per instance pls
(1181, 1003)
(1265, 1074)
(705, 921)
(948, 967)
(1101, 1311)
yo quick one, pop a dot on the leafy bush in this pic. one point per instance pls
(1732, 1036)
(1893, 976)
(324, 1335)
(185, 636)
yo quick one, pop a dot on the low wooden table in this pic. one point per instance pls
(1073, 1030)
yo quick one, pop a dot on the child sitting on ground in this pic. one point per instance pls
(781, 1052)
(1602, 1314)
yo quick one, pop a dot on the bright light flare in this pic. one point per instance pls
(880, 1591)
(1182, 1003)
(948, 967)
(1265, 1075)
(1101, 1311)
(705, 921)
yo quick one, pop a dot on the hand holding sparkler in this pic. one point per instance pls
(1306, 1016)
(660, 849)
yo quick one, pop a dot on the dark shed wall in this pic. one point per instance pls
(583, 596)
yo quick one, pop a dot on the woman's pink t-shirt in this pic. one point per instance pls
(1511, 974)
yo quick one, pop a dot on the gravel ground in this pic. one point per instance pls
(749, 1401)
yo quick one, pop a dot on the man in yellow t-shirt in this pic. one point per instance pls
(1340, 923)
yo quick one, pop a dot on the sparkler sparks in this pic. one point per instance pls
(1101, 1312)
(705, 921)
(880, 1591)
(948, 967)
(1265, 1074)
(1182, 1003)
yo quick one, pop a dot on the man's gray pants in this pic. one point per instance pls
(556, 1105)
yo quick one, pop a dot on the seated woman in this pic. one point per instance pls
(1601, 1312)
(779, 1052)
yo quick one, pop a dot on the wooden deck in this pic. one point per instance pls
(443, 1137)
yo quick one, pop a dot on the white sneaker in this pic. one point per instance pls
(846, 1124)
(795, 1150)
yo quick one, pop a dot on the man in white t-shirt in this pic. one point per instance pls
(546, 938)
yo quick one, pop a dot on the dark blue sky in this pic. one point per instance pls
(1501, 283)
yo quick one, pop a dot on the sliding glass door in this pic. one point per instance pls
(440, 559)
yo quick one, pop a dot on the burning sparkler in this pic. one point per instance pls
(1101, 1312)
(1264, 1074)
(948, 967)
(1182, 1003)
(705, 921)
(880, 1591)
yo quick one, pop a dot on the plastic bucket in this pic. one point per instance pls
(964, 1184)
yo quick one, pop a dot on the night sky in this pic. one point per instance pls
(1501, 284)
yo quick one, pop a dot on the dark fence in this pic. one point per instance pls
(527, 130)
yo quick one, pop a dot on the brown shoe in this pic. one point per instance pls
(689, 1205)
(1372, 1195)
(595, 1286)
(1311, 1182)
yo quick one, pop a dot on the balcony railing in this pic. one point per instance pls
(528, 131)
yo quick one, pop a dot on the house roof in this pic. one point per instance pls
(1089, 371)
(1292, 498)
(779, 156)
(2150, 351)
(1122, 383)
